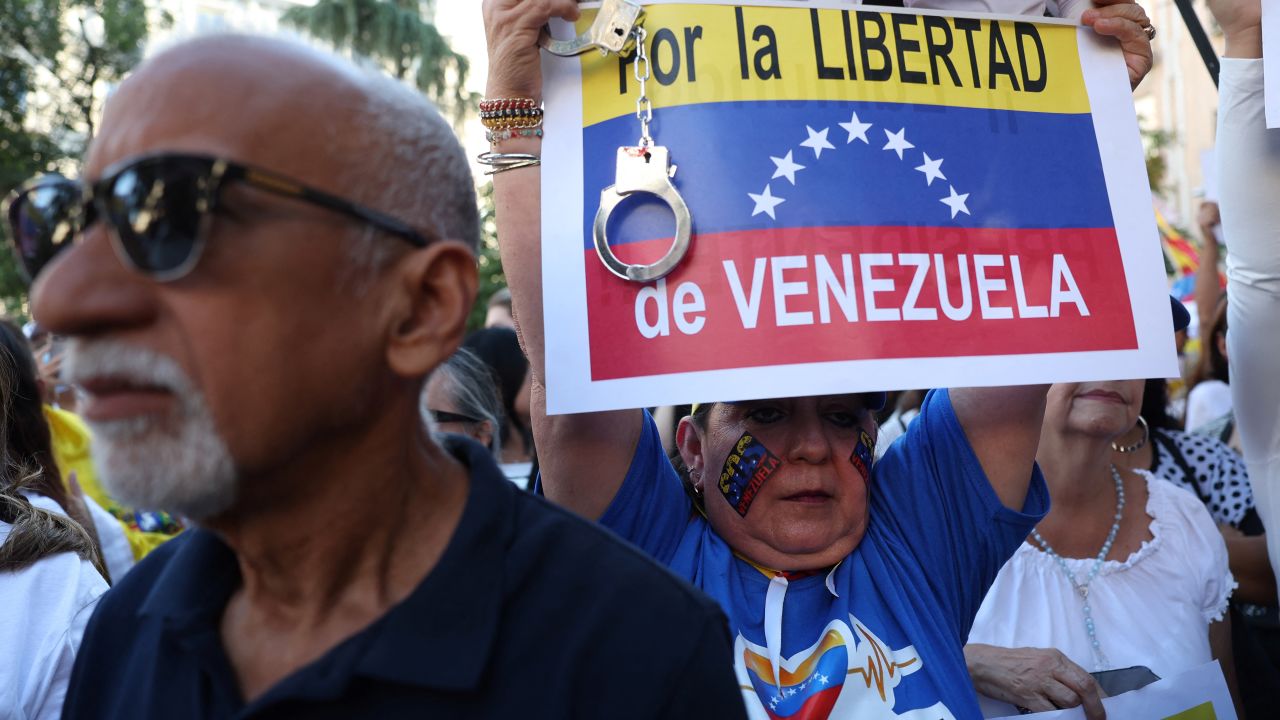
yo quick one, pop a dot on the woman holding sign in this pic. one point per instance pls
(850, 592)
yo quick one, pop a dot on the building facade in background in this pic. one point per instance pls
(1179, 97)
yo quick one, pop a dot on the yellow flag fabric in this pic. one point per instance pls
(71, 451)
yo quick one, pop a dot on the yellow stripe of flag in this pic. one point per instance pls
(719, 53)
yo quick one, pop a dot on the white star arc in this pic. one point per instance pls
(766, 202)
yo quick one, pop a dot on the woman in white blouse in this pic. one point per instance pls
(1125, 570)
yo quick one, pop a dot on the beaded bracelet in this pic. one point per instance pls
(508, 113)
(507, 103)
(496, 136)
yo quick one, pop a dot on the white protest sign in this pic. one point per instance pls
(879, 199)
(1197, 694)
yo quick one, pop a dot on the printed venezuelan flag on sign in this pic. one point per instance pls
(863, 185)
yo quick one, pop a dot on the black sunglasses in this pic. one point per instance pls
(444, 416)
(157, 209)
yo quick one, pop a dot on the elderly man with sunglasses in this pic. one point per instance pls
(268, 255)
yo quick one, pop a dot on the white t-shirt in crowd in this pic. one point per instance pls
(117, 554)
(1066, 8)
(1153, 609)
(1207, 401)
(1248, 157)
(46, 607)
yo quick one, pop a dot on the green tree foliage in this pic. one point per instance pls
(397, 36)
(57, 59)
(1155, 142)
(489, 263)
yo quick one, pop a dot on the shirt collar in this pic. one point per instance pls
(441, 636)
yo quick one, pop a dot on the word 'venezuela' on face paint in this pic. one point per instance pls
(766, 53)
(958, 288)
(745, 471)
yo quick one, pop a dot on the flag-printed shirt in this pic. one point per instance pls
(882, 634)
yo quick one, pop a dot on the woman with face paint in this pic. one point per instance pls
(849, 589)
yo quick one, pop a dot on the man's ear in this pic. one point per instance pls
(437, 287)
(689, 443)
(484, 434)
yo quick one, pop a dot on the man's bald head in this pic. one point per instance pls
(241, 353)
(301, 112)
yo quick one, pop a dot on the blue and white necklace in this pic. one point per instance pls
(1099, 657)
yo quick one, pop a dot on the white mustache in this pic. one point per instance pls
(88, 359)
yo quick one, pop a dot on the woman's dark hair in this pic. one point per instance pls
(499, 348)
(34, 533)
(1213, 364)
(1155, 405)
(30, 444)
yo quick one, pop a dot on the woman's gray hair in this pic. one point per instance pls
(471, 390)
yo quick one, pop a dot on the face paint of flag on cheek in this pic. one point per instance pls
(862, 454)
(745, 471)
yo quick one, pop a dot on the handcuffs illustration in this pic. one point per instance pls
(641, 168)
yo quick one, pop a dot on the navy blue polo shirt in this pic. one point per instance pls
(531, 612)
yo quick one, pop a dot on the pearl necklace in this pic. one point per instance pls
(1100, 658)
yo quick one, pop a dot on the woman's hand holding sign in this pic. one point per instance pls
(1038, 679)
(512, 28)
(1126, 21)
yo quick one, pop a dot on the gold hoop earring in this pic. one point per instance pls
(1142, 441)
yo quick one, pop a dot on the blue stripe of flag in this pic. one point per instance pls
(1020, 169)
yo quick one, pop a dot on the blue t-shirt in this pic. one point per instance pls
(881, 635)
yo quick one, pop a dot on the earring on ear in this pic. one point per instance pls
(694, 486)
(1138, 445)
(694, 489)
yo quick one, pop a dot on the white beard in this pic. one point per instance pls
(178, 463)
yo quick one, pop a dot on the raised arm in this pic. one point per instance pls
(1003, 427)
(1208, 288)
(583, 458)
(1249, 170)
